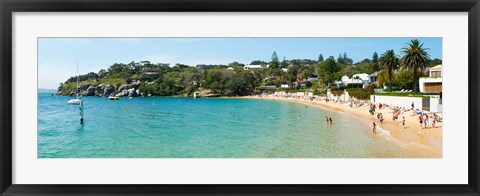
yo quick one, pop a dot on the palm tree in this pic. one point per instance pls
(389, 61)
(415, 58)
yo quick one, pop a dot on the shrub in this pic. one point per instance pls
(354, 85)
(362, 93)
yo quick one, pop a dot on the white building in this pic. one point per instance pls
(433, 83)
(362, 78)
(249, 67)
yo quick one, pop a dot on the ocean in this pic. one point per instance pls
(166, 127)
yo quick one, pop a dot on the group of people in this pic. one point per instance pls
(328, 120)
(425, 119)
(380, 117)
(372, 109)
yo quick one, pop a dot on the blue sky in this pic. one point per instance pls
(57, 56)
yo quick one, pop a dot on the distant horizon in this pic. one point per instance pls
(57, 56)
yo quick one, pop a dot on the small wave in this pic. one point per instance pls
(383, 132)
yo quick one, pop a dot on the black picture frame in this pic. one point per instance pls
(7, 7)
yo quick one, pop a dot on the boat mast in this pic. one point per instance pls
(80, 107)
(78, 76)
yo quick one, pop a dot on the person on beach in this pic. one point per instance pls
(433, 120)
(326, 120)
(403, 122)
(374, 129)
(330, 119)
(381, 118)
(413, 105)
(425, 120)
(420, 119)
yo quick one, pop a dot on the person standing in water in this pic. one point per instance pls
(425, 120)
(374, 129)
(433, 120)
(403, 122)
(420, 119)
(326, 120)
(330, 119)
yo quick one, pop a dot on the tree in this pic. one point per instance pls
(329, 70)
(258, 62)
(274, 57)
(320, 58)
(274, 63)
(389, 61)
(434, 62)
(102, 73)
(415, 58)
(374, 66)
(235, 64)
(284, 63)
(340, 58)
(375, 57)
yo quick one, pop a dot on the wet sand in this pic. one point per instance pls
(427, 141)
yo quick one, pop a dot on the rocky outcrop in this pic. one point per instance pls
(83, 87)
(90, 91)
(108, 90)
(135, 85)
(123, 93)
(123, 87)
(99, 90)
(132, 92)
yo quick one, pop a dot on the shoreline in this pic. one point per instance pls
(424, 141)
(427, 141)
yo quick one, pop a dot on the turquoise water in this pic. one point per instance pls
(203, 128)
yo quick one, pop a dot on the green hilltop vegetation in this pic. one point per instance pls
(159, 79)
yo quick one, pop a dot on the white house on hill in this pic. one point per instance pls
(433, 83)
(362, 78)
(249, 67)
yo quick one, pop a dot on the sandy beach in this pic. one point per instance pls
(412, 136)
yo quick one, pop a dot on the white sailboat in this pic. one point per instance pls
(77, 100)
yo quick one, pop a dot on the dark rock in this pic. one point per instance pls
(122, 94)
(132, 92)
(99, 90)
(123, 87)
(108, 90)
(134, 85)
(90, 91)
(83, 87)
